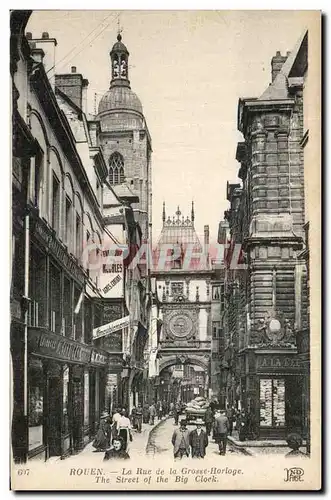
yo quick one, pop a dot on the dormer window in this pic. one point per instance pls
(116, 169)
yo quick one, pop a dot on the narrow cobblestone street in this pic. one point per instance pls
(136, 450)
(160, 442)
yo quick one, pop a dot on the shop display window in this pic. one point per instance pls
(36, 405)
(272, 402)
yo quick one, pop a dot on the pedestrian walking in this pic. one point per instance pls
(103, 436)
(230, 416)
(198, 440)
(221, 427)
(209, 419)
(116, 417)
(139, 417)
(176, 413)
(159, 410)
(124, 429)
(152, 414)
(181, 441)
(241, 425)
(145, 413)
(164, 408)
(133, 417)
(117, 450)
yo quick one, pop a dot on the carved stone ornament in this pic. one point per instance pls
(182, 359)
(276, 328)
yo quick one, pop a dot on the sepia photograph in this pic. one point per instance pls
(165, 307)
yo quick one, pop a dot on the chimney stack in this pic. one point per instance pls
(46, 52)
(277, 63)
(37, 54)
(74, 86)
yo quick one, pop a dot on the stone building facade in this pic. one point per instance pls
(266, 218)
(184, 292)
(74, 235)
(126, 144)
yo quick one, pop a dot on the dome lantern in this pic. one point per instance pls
(120, 98)
(119, 56)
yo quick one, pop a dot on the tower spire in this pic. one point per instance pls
(163, 213)
(192, 212)
(119, 30)
(119, 56)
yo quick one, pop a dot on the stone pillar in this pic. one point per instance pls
(109, 391)
(97, 396)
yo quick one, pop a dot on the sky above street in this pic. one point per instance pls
(189, 68)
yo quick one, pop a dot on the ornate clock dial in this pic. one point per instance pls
(180, 325)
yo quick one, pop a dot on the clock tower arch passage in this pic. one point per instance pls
(185, 301)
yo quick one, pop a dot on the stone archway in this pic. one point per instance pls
(202, 360)
(184, 388)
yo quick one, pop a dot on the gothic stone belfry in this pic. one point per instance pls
(125, 140)
(184, 293)
(127, 148)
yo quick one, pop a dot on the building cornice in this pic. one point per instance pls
(63, 132)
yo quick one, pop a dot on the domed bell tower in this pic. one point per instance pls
(119, 56)
(126, 141)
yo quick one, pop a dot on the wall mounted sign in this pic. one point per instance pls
(274, 362)
(45, 343)
(108, 329)
(55, 346)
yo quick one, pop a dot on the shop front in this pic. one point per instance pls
(273, 393)
(64, 386)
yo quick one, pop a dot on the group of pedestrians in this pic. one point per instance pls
(114, 434)
(146, 414)
(195, 442)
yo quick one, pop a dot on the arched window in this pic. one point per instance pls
(116, 169)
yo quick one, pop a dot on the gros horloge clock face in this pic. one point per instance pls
(181, 325)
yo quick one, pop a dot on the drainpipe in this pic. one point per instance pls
(25, 302)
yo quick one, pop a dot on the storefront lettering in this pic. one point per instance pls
(111, 312)
(63, 349)
(58, 251)
(97, 357)
(52, 345)
(278, 362)
(47, 342)
(113, 282)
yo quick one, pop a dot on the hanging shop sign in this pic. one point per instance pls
(108, 329)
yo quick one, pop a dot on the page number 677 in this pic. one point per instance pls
(23, 472)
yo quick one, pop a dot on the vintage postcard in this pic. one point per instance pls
(165, 293)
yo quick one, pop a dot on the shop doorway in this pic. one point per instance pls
(77, 411)
(293, 403)
(55, 405)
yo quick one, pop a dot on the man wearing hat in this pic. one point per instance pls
(221, 427)
(181, 440)
(198, 440)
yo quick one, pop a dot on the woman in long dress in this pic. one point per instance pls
(124, 429)
(102, 439)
